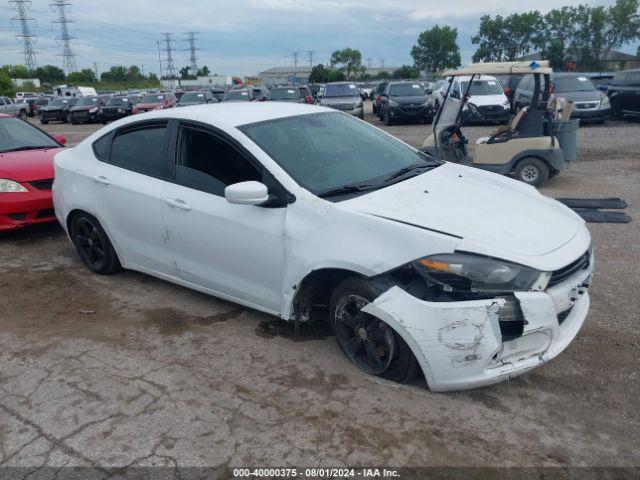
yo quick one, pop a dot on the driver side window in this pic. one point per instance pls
(209, 163)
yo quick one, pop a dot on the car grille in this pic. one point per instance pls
(341, 106)
(562, 274)
(586, 105)
(43, 184)
(491, 109)
(81, 115)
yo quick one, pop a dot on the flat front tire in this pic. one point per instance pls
(532, 171)
(368, 342)
(93, 244)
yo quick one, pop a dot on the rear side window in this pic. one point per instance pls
(140, 149)
(619, 79)
(101, 147)
(633, 79)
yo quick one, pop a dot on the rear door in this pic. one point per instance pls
(236, 250)
(631, 96)
(127, 190)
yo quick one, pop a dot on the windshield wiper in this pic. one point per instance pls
(30, 147)
(356, 188)
(416, 167)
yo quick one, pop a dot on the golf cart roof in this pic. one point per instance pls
(502, 68)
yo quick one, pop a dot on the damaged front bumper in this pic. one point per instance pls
(460, 345)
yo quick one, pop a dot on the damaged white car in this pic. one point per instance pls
(467, 276)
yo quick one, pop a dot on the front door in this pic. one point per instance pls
(236, 250)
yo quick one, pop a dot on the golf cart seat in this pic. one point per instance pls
(511, 128)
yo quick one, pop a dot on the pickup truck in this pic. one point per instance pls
(18, 109)
(624, 93)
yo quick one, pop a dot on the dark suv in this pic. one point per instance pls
(624, 93)
(375, 96)
(589, 103)
(117, 107)
(404, 101)
(57, 110)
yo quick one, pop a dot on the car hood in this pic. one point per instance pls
(410, 99)
(594, 96)
(496, 213)
(148, 106)
(486, 100)
(28, 165)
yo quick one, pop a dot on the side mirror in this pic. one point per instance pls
(246, 193)
(62, 140)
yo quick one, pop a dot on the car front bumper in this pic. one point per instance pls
(406, 113)
(459, 345)
(20, 209)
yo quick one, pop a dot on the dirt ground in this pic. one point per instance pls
(129, 370)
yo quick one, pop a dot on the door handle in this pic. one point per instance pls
(102, 180)
(177, 203)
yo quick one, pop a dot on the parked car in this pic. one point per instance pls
(13, 108)
(218, 94)
(366, 89)
(438, 91)
(376, 97)
(343, 96)
(86, 110)
(155, 101)
(509, 85)
(589, 103)
(238, 95)
(117, 107)
(57, 110)
(26, 173)
(600, 80)
(309, 207)
(196, 98)
(306, 94)
(486, 94)
(624, 93)
(259, 94)
(285, 94)
(27, 102)
(402, 101)
(27, 95)
(37, 104)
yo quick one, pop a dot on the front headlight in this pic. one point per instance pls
(606, 103)
(9, 186)
(93, 110)
(465, 272)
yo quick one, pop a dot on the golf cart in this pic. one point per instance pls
(527, 147)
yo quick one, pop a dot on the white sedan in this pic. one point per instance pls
(464, 275)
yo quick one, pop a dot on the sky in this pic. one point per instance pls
(244, 37)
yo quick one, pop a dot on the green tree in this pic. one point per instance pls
(49, 74)
(134, 73)
(204, 71)
(184, 73)
(321, 74)
(509, 38)
(437, 49)
(17, 71)
(6, 85)
(348, 60)
(85, 75)
(406, 71)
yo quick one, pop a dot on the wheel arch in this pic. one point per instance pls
(74, 212)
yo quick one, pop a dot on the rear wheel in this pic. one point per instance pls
(616, 111)
(93, 244)
(23, 114)
(372, 345)
(387, 119)
(532, 171)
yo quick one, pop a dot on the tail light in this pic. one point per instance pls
(507, 91)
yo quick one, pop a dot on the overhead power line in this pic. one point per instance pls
(68, 55)
(193, 59)
(25, 37)
(167, 38)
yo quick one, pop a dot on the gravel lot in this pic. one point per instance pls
(130, 370)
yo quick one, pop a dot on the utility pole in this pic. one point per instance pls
(191, 40)
(310, 55)
(159, 58)
(284, 60)
(95, 70)
(25, 37)
(369, 62)
(296, 54)
(68, 55)
(168, 41)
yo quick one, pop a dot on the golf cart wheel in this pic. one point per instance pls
(93, 244)
(23, 115)
(532, 171)
(372, 345)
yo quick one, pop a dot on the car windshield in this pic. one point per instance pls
(406, 90)
(87, 101)
(16, 135)
(325, 152)
(283, 94)
(193, 97)
(237, 95)
(59, 102)
(152, 99)
(572, 84)
(482, 87)
(116, 102)
(341, 90)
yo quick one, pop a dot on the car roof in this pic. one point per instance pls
(232, 114)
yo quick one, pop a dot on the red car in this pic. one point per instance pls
(155, 101)
(26, 173)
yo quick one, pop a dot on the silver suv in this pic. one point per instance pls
(343, 96)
